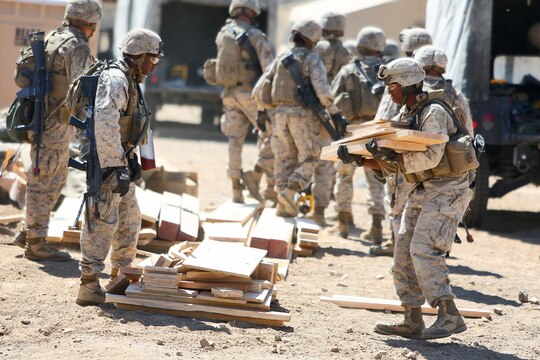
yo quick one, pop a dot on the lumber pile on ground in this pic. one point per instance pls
(393, 305)
(14, 177)
(389, 134)
(307, 237)
(166, 219)
(214, 280)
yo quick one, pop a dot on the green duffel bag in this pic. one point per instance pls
(19, 113)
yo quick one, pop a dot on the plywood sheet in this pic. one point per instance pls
(234, 212)
(225, 257)
(150, 204)
(225, 231)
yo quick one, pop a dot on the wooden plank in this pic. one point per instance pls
(357, 147)
(267, 270)
(198, 314)
(273, 233)
(366, 133)
(158, 246)
(225, 231)
(283, 266)
(421, 137)
(63, 218)
(307, 226)
(234, 212)
(160, 270)
(225, 257)
(200, 285)
(308, 236)
(224, 292)
(367, 124)
(268, 315)
(131, 272)
(299, 251)
(9, 219)
(308, 243)
(169, 217)
(214, 276)
(189, 218)
(118, 285)
(137, 288)
(149, 203)
(401, 146)
(393, 305)
(208, 296)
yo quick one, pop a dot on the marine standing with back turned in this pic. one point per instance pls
(121, 124)
(67, 54)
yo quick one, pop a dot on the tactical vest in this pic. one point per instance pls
(132, 121)
(459, 155)
(334, 56)
(233, 65)
(364, 102)
(53, 43)
(284, 89)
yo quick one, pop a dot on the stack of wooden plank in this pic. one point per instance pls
(389, 135)
(231, 222)
(219, 280)
(307, 237)
(273, 234)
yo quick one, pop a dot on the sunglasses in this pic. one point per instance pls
(154, 59)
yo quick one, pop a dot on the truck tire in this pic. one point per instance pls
(208, 116)
(477, 208)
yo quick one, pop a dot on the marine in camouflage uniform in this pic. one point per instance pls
(119, 222)
(334, 56)
(239, 109)
(396, 188)
(352, 89)
(296, 131)
(67, 55)
(432, 212)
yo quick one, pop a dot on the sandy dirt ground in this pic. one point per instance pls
(40, 320)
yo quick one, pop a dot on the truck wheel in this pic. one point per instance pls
(208, 115)
(477, 208)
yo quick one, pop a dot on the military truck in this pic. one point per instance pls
(188, 29)
(494, 57)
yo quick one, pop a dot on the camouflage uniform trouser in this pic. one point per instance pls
(295, 141)
(398, 196)
(344, 190)
(241, 111)
(265, 159)
(428, 226)
(119, 225)
(43, 191)
(323, 179)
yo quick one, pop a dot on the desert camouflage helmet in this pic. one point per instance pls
(87, 10)
(414, 38)
(371, 38)
(141, 41)
(310, 29)
(332, 21)
(431, 56)
(404, 71)
(250, 4)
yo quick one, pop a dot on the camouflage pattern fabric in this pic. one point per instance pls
(334, 56)
(265, 158)
(117, 227)
(295, 141)
(239, 108)
(429, 221)
(323, 178)
(120, 217)
(43, 191)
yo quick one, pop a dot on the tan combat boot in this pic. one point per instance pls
(20, 239)
(252, 180)
(286, 198)
(39, 249)
(237, 195)
(281, 212)
(318, 216)
(375, 233)
(270, 194)
(344, 221)
(448, 322)
(90, 293)
(410, 327)
(386, 249)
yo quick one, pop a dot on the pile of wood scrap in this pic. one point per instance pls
(389, 134)
(393, 305)
(307, 237)
(13, 177)
(166, 219)
(214, 280)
